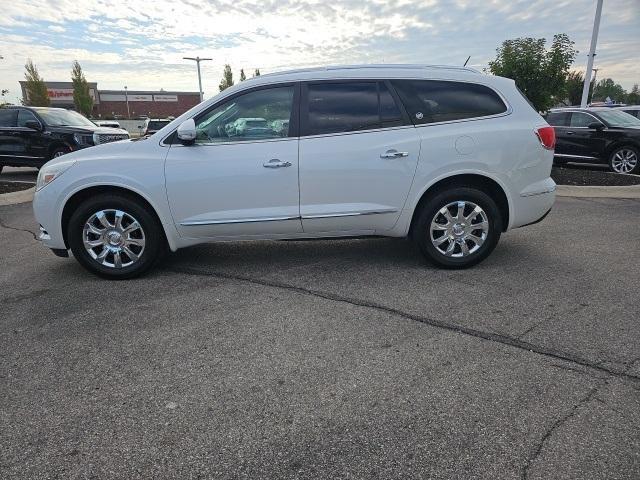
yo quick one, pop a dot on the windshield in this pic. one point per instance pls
(64, 118)
(616, 118)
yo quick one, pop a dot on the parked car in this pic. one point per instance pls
(631, 110)
(107, 123)
(152, 125)
(445, 155)
(31, 136)
(600, 135)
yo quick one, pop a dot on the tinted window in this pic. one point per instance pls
(256, 115)
(579, 119)
(342, 107)
(635, 113)
(25, 116)
(7, 117)
(558, 119)
(429, 101)
(389, 110)
(157, 124)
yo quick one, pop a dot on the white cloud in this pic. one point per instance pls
(142, 43)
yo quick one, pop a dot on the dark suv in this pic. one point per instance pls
(597, 135)
(31, 136)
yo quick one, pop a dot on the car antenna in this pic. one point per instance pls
(466, 61)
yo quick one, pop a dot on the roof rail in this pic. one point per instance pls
(376, 66)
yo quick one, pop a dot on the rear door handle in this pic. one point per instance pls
(570, 133)
(276, 163)
(392, 153)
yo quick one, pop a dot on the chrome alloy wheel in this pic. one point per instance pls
(113, 238)
(459, 229)
(624, 160)
(58, 154)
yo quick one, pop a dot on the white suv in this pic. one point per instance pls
(445, 155)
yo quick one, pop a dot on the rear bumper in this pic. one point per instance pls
(534, 203)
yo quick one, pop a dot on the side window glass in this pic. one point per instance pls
(7, 117)
(389, 110)
(257, 115)
(25, 116)
(558, 119)
(431, 101)
(579, 119)
(342, 107)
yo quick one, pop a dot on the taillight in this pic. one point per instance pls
(547, 137)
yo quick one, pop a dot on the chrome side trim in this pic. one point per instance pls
(19, 156)
(349, 214)
(243, 220)
(573, 156)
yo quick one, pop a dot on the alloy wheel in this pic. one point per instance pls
(624, 160)
(113, 238)
(459, 229)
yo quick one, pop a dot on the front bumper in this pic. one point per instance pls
(46, 212)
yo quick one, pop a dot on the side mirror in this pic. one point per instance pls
(33, 125)
(595, 126)
(187, 132)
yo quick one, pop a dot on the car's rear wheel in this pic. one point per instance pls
(458, 228)
(115, 236)
(625, 160)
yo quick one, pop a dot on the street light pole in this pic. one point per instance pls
(595, 74)
(592, 54)
(198, 60)
(126, 97)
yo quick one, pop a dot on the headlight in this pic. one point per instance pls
(83, 139)
(48, 175)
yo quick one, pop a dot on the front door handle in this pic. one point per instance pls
(276, 163)
(570, 133)
(394, 154)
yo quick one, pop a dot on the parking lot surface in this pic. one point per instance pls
(329, 359)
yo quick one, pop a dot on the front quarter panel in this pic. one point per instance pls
(135, 166)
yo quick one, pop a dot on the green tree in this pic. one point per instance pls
(227, 78)
(36, 90)
(81, 96)
(574, 86)
(256, 72)
(3, 92)
(633, 97)
(243, 77)
(608, 88)
(540, 73)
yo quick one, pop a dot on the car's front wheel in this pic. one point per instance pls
(115, 236)
(625, 160)
(458, 228)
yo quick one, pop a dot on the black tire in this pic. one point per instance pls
(59, 151)
(1, 167)
(625, 148)
(421, 231)
(154, 238)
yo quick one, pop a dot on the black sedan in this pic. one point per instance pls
(597, 135)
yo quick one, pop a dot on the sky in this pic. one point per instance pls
(141, 44)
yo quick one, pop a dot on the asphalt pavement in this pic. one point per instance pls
(329, 359)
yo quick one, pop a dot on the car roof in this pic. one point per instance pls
(365, 71)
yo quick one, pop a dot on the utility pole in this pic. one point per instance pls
(198, 60)
(126, 97)
(592, 54)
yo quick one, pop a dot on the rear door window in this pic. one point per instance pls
(558, 119)
(581, 120)
(336, 107)
(8, 117)
(432, 101)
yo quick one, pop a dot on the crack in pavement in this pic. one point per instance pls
(472, 332)
(26, 230)
(557, 424)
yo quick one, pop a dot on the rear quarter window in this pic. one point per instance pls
(432, 101)
(558, 119)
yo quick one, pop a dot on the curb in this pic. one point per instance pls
(13, 198)
(598, 192)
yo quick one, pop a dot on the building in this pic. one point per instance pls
(110, 104)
